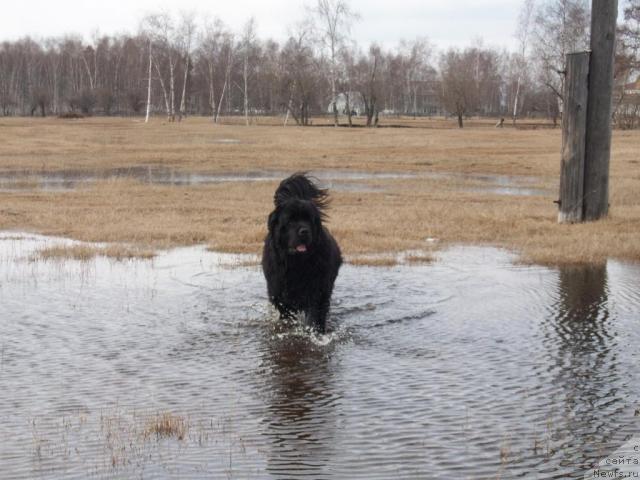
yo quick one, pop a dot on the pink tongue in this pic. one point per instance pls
(301, 248)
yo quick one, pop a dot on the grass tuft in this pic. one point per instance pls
(166, 425)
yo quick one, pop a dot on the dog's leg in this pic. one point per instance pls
(317, 315)
(285, 312)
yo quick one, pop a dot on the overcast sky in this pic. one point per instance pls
(445, 22)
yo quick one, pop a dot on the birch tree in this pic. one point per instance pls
(186, 35)
(216, 61)
(417, 70)
(248, 39)
(334, 19)
(525, 20)
(161, 29)
(146, 119)
(560, 27)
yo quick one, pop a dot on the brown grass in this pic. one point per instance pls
(89, 252)
(419, 258)
(166, 425)
(373, 260)
(396, 215)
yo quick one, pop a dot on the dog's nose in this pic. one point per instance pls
(303, 232)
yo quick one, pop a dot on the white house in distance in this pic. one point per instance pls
(356, 103)
(633, 88)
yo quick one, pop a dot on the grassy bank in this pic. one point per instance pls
(439, 205)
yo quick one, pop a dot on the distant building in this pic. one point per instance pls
(356, 103)
(632, 88)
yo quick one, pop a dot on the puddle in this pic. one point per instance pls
(496, 184)
(335, 179)
(72, 179)
(469, 367)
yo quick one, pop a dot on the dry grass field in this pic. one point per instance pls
(445, 191)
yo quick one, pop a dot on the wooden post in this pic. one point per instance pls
(574, 124)
(604, 15)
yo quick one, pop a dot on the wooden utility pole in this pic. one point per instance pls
(604, 15)
(574, 123)
(586, 141)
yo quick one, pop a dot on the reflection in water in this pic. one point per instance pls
(585, 366)
(301, 406)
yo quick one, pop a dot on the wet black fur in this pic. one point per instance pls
(300, 282)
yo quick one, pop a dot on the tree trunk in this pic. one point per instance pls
(212, 93)
(164, 93)
(224, 88)
(245, 76)
(348, 109)
(227, 76)
(172, 91)
(289, 107)
(184, 89)
(333, 85)
(146, 120)
(515, 101)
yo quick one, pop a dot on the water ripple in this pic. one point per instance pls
(471, 367)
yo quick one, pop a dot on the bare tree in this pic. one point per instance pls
(630, 32)
(299, 76)
(216, 52)
(458, 72)
(525, 20)
(416, 69)
(348, 60)
(631, 27)
(334, 19)
(187, 32)
(162, 31)
(146, 120)
(627, 69)
(248, 39)
(214, 73)
(369, 82)
(561, 27)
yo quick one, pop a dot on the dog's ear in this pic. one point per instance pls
(273, 221)
(317, 221)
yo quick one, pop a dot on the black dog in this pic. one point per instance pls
(300, 259)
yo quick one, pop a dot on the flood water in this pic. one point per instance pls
(72, 179)
(471, 367)
(18, 180)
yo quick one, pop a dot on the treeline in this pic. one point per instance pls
(184, 66)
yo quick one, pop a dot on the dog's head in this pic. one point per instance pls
(295, 226)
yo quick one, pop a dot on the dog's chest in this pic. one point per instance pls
(301, 280)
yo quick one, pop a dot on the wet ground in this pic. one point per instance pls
(336, 179)
(470, 367)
